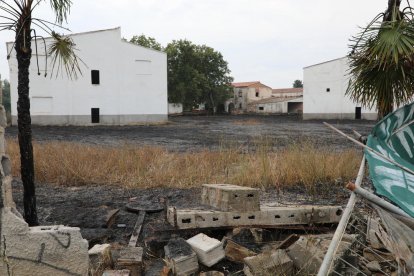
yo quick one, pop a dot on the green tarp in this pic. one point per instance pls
(393, 136)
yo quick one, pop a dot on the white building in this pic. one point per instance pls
(121, 83)
(324, 96)
(277, 105)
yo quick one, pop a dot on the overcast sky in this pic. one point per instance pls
(266, 40)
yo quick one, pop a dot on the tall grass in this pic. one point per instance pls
(64, 163)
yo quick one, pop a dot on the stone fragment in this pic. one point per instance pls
(180, 257)
(99, 258)
(209, 251)
(130, 258)
(123, 272)
(374, 266)
(268, 264)
(228, 197)
(307, 252)
(212, 273)
(236, 253)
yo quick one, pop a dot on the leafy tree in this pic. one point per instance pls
(17, 16)
(148, 42)
(297, 84)
(197, 74)
(382, 60)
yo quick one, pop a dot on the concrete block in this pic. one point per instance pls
(180, 257)
(7, 193)
(130, 258)
(209, 251)
(99, 258)
(268, 216)
(228, 197)
(269, 264)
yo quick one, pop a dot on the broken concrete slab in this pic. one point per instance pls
(308, 252)
(236, 252)
(180, 257)
(268, 216)
(209, 250)
(228, 197)
(269, 264)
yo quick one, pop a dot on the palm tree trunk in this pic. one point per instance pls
(23, 54)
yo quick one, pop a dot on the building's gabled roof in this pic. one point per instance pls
(274, 100)
(249, 84)
(287, 90)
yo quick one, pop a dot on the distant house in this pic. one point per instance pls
(287, 92)
(245, 93)
(122, 83)
(324, 96)
(277, 105)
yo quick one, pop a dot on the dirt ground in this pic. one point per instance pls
(86, 206)
(211, 132)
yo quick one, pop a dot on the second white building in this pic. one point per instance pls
(325, 85)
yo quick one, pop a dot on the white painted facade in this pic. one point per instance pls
(132, 85)
(324, 96)
(276, 105)
(175, 108)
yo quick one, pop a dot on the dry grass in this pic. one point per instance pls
(249, 122)
(64, 163)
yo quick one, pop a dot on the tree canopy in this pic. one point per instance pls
(197, 74)
(382, 60)
(145, 41)
(297, 84)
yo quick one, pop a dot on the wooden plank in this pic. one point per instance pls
(137, 229)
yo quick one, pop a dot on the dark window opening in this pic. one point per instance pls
(95, 115)
(328, 90)
(240, 106)
(95, 76)
(257, 94)
(240, 94)
(261, 108)
(358, 113)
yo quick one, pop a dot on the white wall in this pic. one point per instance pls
(132, 89)
(175, 108)
(320, 104)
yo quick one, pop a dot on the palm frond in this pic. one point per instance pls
(61, 9)
(382, 63)
(64, 57)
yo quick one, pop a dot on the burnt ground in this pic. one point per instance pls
(86, 206)
(207, 132)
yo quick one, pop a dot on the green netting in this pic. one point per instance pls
(393, 136)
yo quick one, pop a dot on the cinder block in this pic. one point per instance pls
(180, 257)
(209, 251)
(130, 258)
(228, 197)
(268, 216)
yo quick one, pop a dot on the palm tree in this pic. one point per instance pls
(382, 60)
(17, 16)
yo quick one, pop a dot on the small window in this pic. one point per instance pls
(95, 76)
(257, 94)
(95, 115)
(261, 108)
(240, 94)
(328, 90)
